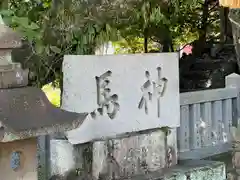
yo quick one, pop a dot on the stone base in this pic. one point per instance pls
(134, 155)
(190, 170)
(116, 158)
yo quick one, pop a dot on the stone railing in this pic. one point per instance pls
(206, 120)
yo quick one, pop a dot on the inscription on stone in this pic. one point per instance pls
(153, 88)
(107, 103)
(117, 94)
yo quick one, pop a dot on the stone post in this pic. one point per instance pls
(233, 81)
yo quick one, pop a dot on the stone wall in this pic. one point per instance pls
(117, 158)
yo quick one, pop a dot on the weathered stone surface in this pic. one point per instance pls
(123, 93)
(5, 57)
(134, 155)
(204, 170)
(192, 170)
(234, 172)
(36, 115)
(60, 161)
(130, 156)
(115, 158)
(8, 38)
(12, 76)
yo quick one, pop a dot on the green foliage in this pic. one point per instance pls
(129, 46)
(29, 30)
(132, 45)
(54, 28)
(167, 22)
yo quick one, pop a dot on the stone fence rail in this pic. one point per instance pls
(206, 120)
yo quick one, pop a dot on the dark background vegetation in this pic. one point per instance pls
(52, 28)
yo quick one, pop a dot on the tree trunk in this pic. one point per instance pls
(168, 46)
(204, 23)
(199, 45)
(225, 26)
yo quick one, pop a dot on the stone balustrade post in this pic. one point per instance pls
(233, 81)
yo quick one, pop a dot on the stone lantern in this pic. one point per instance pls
(26, 117)
(25, 112)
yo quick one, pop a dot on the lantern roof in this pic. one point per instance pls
(26, 112)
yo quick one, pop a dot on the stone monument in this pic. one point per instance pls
(133, 101)
(133, 105)
(123, 93)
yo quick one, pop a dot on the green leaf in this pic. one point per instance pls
(91, 29)
(68, 37)
(6, 12)
(33, 26)
(39, 48)
(74, 42)
(30, 34)
(7, 20)
(84, 40)
(55, 49)
(46, 4)
(22, 21)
